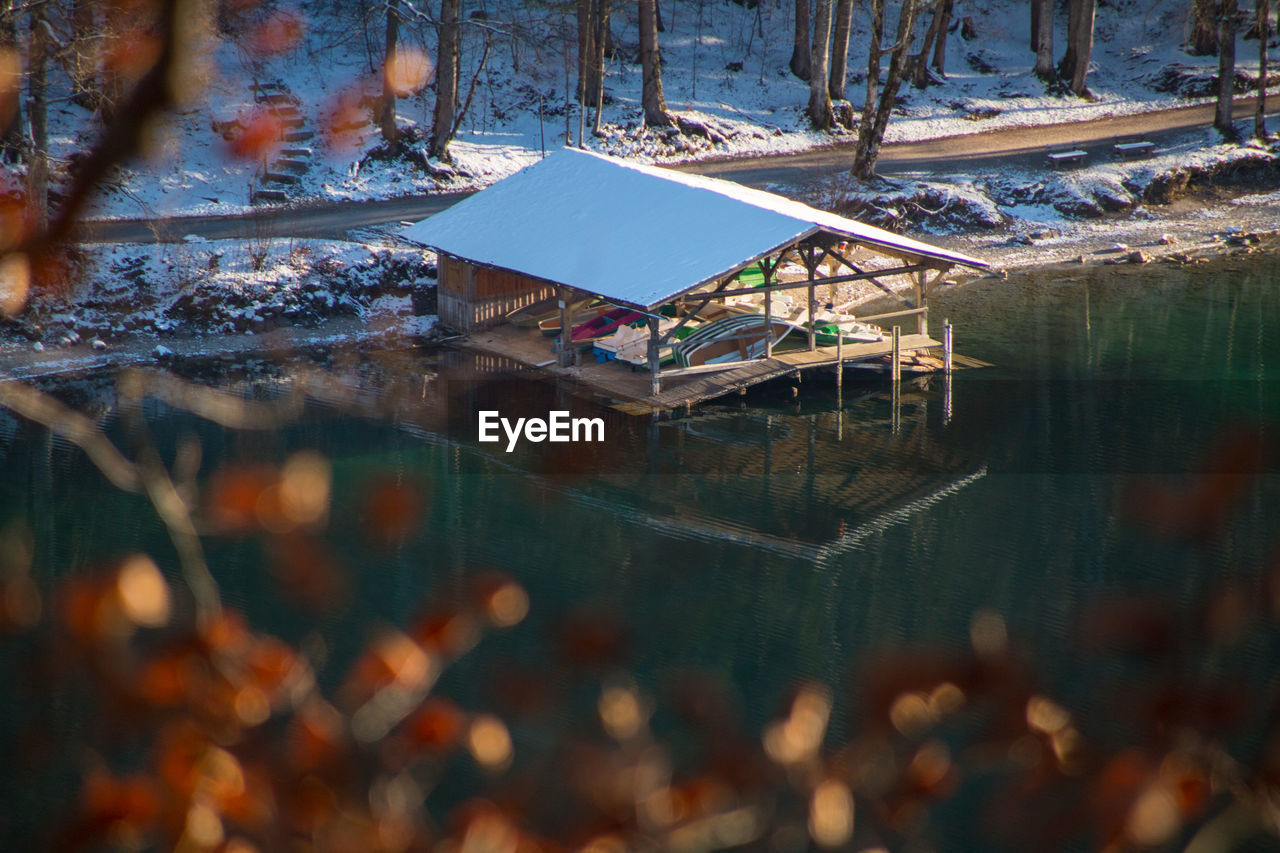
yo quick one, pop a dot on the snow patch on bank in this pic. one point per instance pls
(229, 287)
(1027, 199)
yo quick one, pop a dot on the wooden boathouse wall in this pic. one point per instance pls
(475, 297)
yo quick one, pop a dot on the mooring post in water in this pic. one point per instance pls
(839, 360)
(895, 375)
(946, 398)
(895, 357)
(839, 384)
(946, 346)
(896, 405)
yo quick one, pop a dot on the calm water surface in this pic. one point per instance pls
(772, 539)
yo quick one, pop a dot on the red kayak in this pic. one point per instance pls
(606, 324)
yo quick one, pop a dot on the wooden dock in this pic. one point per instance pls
(628, 389)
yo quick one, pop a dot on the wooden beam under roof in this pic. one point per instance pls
(869, 275)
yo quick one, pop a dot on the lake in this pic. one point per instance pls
(1100, 505)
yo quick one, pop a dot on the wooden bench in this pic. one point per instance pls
(1133, 146)
(1058, 157)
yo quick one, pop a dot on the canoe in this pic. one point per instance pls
(626, 338)
(737, 338)
(851, 330)
(830, 323)
(546, 309)
(631, 345)
(578, 312)
(584, 334)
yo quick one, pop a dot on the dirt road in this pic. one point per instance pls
(1022, 146)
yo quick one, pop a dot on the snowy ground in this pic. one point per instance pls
(1025, 199)
(221, 289)
(518, 106)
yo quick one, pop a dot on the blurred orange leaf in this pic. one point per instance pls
(279, 33)
(256, 135)
(391, 510)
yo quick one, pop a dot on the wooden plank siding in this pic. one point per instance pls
(473, 297)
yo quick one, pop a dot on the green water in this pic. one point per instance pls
(774, 538)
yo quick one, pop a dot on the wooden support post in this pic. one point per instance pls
(655, 379)
(809, 265)
(832, 267)
(768, 320)
(946, 346)
(922, 319)
(813, 332)
(564, 353)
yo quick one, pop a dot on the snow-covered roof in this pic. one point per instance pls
(638, 235)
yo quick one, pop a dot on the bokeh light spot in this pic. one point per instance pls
(831, 814)
(15, 283)
(489, 741)
(988, 634)
(621, 712)
(305, 485)
(508, 605)
(143, 593)
(407, 71)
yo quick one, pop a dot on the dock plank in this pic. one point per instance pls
(629, 389)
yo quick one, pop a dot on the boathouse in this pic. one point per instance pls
(583, 225)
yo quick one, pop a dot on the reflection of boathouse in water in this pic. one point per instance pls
(785, 478)
(592, 242)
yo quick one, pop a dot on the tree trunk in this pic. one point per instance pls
(1226, 69)
(390, 133)
(651, 97)
(1044, 40)
(800, 58)
(840, 48)
(587, 12)
(940, 51)
(862, 169)
(1264, 30)
(84, 60)
(1037, 12)
(819, 94)
(11, 124)
(1075, 64)
(1204, 28)
(37, 110)
(920, 62)
(1084, 46)
(1067, 67)
(601, 43)
(871, 130)
(446, 80)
